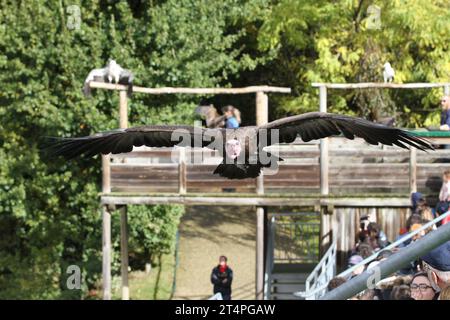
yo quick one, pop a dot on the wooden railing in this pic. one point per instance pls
(354, 167)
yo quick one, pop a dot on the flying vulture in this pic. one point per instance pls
(112, 73)
(242, 149)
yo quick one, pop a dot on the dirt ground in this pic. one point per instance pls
(206, 232)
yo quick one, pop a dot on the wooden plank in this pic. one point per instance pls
(324, 146)
(256, 200)
(106, 253)
(182, 186)
(413, 170)
(259, 290)
(171, 90)
(124, 252)
(364, 85)
(106, 173)
(123, 110)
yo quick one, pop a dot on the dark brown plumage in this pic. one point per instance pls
(248, 164)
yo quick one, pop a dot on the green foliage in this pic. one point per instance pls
(323, 41)
(49, 211)
(152, 231)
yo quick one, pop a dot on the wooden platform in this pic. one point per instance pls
(233, 199)
(354, 167)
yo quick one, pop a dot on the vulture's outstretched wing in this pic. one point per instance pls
(123, 140)
(317, 125)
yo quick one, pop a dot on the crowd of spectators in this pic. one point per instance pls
(427, 278)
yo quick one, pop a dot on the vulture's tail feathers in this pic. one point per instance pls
(235, 170)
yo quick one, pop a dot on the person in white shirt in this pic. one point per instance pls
(445, 189)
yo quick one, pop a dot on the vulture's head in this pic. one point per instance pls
(233, 148)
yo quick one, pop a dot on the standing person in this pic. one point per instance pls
(445, 114)
(444, 192)
(233, 117)
(221, 278)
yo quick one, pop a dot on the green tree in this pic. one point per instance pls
(49, 211)
(323, 41)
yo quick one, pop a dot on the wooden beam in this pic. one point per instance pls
(364, 85)
(324, 146)
(123, 110)
(170, 90)
(106, 173)
(262, 117)
(254, 200)
(259, 253)
(412, 170)
(124, 252)
(182, 176)
(106, 252)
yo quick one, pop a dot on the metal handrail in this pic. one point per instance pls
(393, 245)
(373, 256)
(385, 268)
(321, 270)
(269, 260)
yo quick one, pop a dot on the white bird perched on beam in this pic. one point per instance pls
(388, 73)
(112, 73)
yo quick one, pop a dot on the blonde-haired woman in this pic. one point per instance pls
(233, 117)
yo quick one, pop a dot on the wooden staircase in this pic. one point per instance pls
(289, 278)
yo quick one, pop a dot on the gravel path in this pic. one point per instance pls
(206, 232)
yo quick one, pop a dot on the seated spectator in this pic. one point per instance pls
(384, 254)
(441, 208)
(232, 117)
(353, 261)
(445, 188)
(364, 249)
(401, 292)
(421, 288)
(335, 282)
(416, 198)
(412, 220)
(437, 265)
(445, 293)
(377, 238)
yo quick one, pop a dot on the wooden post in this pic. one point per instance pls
(124, 252)
(412, 169)
(259, 253)
(106, 250)
(324, 145)
(182, 171)
(123, 124)
(262, 117)
(106, 173)
(447, 90)
(106, 229)
(123, 110)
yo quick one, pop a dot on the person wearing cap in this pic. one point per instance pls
(437, 265)
(221, 278)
